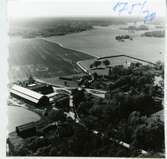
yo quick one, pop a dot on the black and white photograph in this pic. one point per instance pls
(86, 78)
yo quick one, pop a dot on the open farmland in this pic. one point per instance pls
(41, 58)
(114, 61)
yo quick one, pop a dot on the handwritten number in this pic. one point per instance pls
(123, 6)
(143, 5)
(120, 6)
(149, 15)
(133, 6)
(116, 6)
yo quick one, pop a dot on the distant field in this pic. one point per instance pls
(41, 58)
(114, 60)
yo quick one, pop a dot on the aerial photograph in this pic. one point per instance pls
(86, 85)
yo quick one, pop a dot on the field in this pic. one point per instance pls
(41, 58)
(114, 60)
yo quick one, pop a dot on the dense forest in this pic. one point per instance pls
(45, 27)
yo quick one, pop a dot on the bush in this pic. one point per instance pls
(148, 133)
(56, 115)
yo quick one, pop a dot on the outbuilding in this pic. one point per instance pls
(29, 95)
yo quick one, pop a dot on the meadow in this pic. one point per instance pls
(41, 58)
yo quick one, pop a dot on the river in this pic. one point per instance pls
(101, 42)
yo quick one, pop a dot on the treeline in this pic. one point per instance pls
(52, 29)
(59, 26)
(135, 28)
(157, 33)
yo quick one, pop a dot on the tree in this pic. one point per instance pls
(91, 66)
(106, 63)
(78, 96)
(56, 115)
(97, 63)
(22, 150)
(149, 135)
(95, 75)
(135, 118)
(53, 151)
(43, 151)
(159, 65)
(31, 79)
(34, 143)
(84, 107)
(109, 71)
(96, 110)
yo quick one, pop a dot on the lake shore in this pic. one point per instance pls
(101, 42)
(16, 113)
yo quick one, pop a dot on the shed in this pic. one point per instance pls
(29, 95)
(26, 130)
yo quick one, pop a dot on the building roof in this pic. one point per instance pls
(26, 93)
(52, 94)
(36, 86)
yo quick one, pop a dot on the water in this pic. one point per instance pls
(18, 116)
(101, 42)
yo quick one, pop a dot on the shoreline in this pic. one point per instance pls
(61, 45)
(90, 51)
(30, 109)
(40, 36)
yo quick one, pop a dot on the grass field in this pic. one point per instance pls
(41, 58)
(114, 60)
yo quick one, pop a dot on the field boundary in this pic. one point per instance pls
(105, 57)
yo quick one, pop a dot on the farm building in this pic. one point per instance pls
(41, 88)
(59, 99)
(26, 130)
(29, 95)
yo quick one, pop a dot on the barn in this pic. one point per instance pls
(29, 96)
